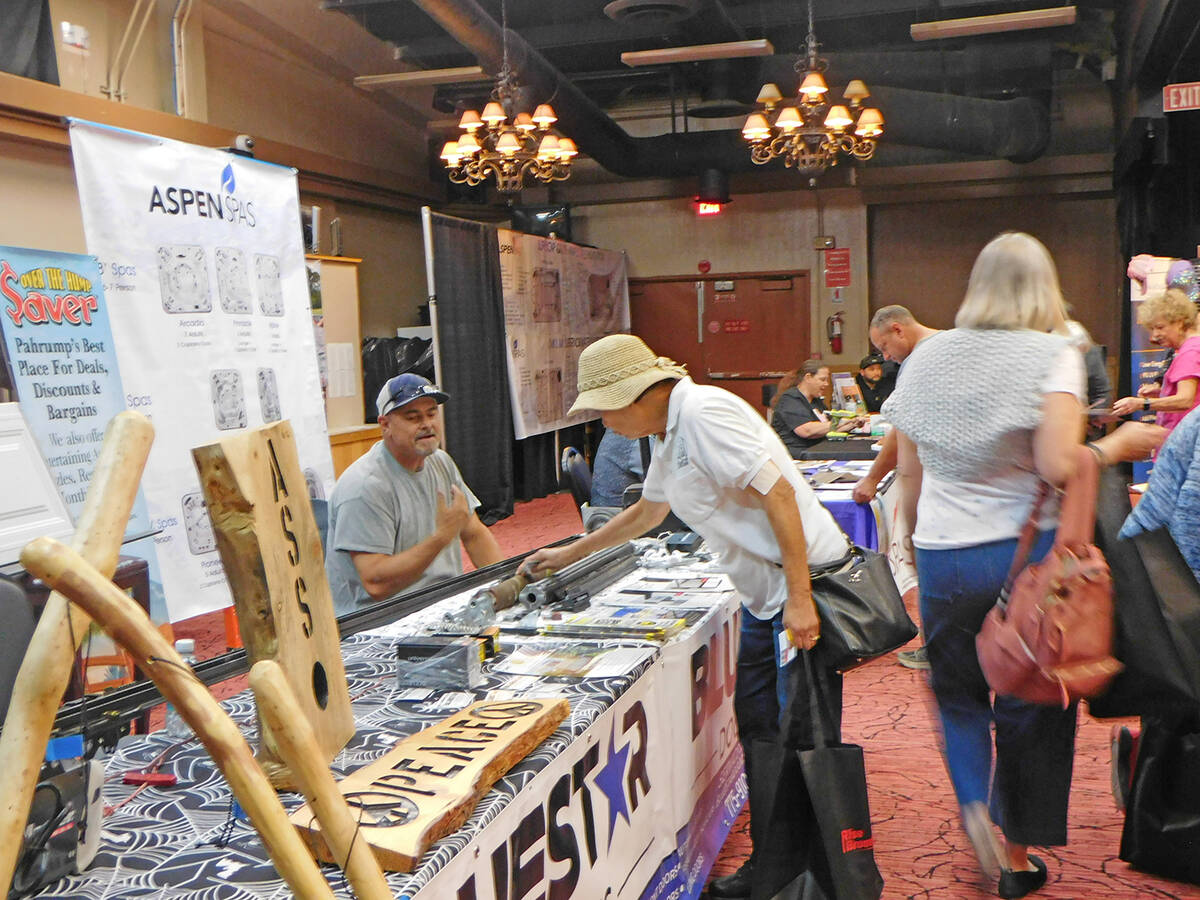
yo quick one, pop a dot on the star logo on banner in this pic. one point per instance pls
(611, 782)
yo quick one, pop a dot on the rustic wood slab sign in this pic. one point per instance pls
(427, 785)
(269, 544)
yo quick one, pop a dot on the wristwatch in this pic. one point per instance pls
(1145, 404)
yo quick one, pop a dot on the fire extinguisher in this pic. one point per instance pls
(833, 330)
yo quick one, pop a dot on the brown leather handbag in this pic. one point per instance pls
(1049, 638)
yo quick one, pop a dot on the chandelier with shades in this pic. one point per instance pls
(808, 133)
(507, 145)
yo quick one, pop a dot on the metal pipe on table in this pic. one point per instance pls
(593, 572)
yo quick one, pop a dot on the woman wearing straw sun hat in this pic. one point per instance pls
(718, 466)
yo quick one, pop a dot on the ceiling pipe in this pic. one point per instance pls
(1017, 130)
(972, 70)
(179, 38)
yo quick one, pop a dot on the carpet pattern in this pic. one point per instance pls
(920, 848)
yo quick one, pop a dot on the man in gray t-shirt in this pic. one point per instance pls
(397, 515)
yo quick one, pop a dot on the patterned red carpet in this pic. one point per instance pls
(920, 848)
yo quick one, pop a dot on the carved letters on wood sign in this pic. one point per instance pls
(427, 785)
(270, 548)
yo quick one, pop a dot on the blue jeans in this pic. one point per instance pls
(761, 695)
(1034, 745)
(762, 690)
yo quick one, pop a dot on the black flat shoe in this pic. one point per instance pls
(1018, 884)
(734, 886)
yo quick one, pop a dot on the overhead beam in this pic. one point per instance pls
(975, 25)
(422, 78)
(556, 37)
(698, 53)
(327, 43)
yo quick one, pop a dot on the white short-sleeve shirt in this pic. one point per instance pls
(714, 445)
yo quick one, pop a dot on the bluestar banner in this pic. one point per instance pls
(639, 805)
(202, 264)
(65, 374)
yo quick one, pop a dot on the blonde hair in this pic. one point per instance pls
(1173, 306)
(1013, 285)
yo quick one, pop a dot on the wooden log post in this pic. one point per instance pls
(298, 744)
(271, 549)
(427, 785)
(128, 624)
(46, 669)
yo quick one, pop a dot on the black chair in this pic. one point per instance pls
(16, 614)
(579, 476)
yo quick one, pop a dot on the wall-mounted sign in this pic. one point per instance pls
(837, 268)
(1181, 97)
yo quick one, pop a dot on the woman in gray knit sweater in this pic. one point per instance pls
(972, 452)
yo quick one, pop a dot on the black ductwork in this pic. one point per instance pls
(1017, 129)
(977, 70)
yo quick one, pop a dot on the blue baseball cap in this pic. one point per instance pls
(404, 389)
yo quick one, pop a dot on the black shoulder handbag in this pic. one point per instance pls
(862, 612)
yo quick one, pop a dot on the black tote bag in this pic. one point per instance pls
(816, 840)
(862, 612)
(782, 824)
(836, 778)
(1162, 818)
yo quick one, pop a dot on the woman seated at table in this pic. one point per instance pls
(1171, 320)
(798, 412)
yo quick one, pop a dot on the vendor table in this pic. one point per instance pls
(856, 519)
(850, 448)
(632, 797)
(872, 525)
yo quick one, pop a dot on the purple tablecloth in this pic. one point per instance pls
(856, 519)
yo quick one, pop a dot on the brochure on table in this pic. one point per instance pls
(203, 267)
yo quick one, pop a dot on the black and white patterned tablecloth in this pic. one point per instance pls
(165, 842)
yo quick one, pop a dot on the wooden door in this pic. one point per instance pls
(739, 332)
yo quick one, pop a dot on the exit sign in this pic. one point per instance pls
(1180, 97)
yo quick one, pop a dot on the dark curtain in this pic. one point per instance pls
(479, 427)
(27, 40)
(470, 333)
(1156, 174)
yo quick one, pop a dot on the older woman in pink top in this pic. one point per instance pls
(1171, 321)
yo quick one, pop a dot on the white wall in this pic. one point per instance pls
(38, 197)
